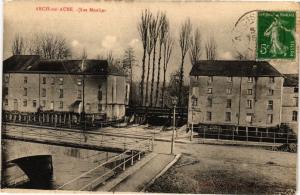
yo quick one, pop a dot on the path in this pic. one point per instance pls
(140, 178)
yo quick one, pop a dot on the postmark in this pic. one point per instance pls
(244, 35)
(276, 35)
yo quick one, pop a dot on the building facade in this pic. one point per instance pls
(235, 93)
(290, 101)
(31, 84)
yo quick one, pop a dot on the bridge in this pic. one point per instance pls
(36, 160)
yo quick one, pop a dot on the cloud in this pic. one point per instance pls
(109, 42)
(134, 43)
(75, 43)
(226, 55)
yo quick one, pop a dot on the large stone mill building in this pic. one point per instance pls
(243, 94)
(31, 84)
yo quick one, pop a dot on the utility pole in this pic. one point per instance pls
(83, 98)
(194, 100)
(174, 102)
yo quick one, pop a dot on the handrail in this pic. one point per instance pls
(101, 165)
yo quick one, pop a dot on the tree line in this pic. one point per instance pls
(154, 31)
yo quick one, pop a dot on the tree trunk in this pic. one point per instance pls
(153, 71)
(147, 82)
(180, 82)
(158, 76)
(143, 77)
(163, 88)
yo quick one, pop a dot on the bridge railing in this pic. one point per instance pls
(108, 169)
(73, 137)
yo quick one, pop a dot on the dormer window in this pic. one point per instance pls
(250, 79)
(229, 79)
(210, 80)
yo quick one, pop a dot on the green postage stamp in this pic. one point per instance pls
(276, 35)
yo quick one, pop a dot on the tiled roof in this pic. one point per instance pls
(233, 68)
(291, 80)
(33, 63)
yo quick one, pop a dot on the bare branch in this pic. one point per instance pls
(18, 45)
(211, 49)
(195, 50)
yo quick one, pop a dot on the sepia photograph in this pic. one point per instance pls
(183, 97)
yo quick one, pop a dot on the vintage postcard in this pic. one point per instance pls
(150, 96)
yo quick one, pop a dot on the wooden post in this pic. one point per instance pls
(247, 133)
(124, 164)
(55, 119)
(131, 157)
(70, 120)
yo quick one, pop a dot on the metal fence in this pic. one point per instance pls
(111, 168)
(246, 135)
(58, 119)
(74, 138)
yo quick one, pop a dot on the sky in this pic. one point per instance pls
(115, 29)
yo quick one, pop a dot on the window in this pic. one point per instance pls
(43, 92)
(25, 91)
(6, 79)
(271, 92)
(61, 105)
(5, 92)
(24, 103)
(34, 103)
(79, 94)
(61, 81)
(208, 116)
(249, 104)
(43, 103)
(295, 89)
(15, 104)
(209, 102)
(52, 105)
(249, 118)
(61, 93)
(250, 79)
(228, 104)
(6, 102)
(271, 79)
(52, 81)
(228, 91)
(79, 82)
(296, 101)
(270, 119)
(210, 80)
(25, 80)
(88, 107)
(270, 105)
(194, 101)
(195, 91)
(99, 107)
(249, 91)
(99, 93)
(209, 90)
(44, 80)
(229, 79)
(228, 116)
(295, 116)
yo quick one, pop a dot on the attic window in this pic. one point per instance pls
(28, 67)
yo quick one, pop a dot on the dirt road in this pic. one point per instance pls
(227, 169)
